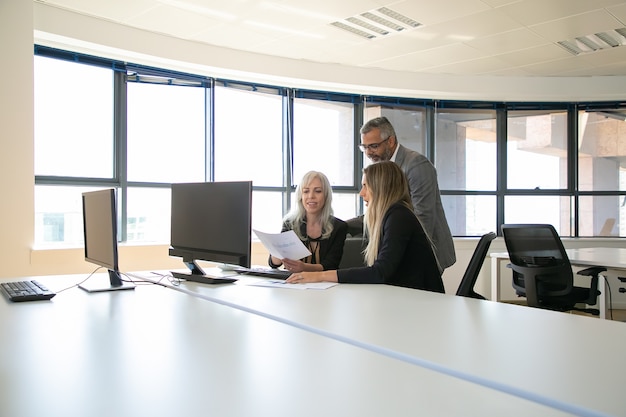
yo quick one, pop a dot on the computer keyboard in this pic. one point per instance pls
(203, 279)
(265, 272)
(29, 290)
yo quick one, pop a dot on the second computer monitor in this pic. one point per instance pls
(211, 221)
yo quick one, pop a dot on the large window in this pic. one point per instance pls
(466, 160)
(165, 133)
(73, 119)
(248, 136)
(102, 123)
(537, 138)
(602, 168)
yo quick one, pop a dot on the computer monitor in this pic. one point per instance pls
(100, 232)
(211, 221)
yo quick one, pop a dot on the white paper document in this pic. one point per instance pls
(285, 245)
(282, 284)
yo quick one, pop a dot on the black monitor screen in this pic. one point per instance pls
(100, 233)
(211, 221)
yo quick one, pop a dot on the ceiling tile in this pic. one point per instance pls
(507, 41)
(532, 12)
(580, 25)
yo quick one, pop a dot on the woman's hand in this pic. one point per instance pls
(302, 278)
(306, 277)
(292, 265)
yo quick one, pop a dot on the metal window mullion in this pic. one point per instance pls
(501, 164)
(359, 120)
(209, 131)
(288, 146)
(572, 163)
(120, 143)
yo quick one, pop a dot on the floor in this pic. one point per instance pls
(616, 314)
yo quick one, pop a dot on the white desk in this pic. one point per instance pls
(611, 258)
(479, 341)
(160, 353)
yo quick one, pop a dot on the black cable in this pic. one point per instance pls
(78, 283)
(608, 286)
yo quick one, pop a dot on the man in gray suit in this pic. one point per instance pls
(379, 142)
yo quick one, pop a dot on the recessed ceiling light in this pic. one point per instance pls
(399, 17)
(570, 47)
(595, 42)
(366, 25)
(376, 23)
(382, 21)
(608, 39)
(588, 43)
(352, 29)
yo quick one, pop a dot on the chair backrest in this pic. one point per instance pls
(352, 253)
(466, 287)
(537, 249)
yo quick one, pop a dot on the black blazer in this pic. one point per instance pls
(331, 249)
(405, 256)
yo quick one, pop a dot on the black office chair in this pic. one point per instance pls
(466, 287)
(542, 271)
(353, 253)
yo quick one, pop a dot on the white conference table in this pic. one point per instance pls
(611, 258)
(569, 362)
(161, 353)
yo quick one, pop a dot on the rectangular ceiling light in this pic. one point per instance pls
(399, 17)
(606, 38)
(382, 21)
(570, 47)
(377, 23)
(595, 42)
(354, 30)
(588, 43)
(367, 26)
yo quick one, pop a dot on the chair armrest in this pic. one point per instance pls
(592, 271)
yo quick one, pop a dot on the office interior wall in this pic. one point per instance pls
(16, 135)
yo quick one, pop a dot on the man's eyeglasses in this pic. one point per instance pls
(372, 146)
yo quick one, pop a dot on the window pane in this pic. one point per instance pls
(165, 133)
(602, 216)
(248, 137)
(59, 215)
(465, 142)
(324, 140)
(149, 214)
(267, 212)
(537, 150)
(470, 215)
(554, 210)
(73, 119)
(345, 206)
(601, 150)
(409, 125)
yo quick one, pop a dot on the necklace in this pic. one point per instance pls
(314, 246)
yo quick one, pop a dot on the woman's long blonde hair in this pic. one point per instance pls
(387, 185)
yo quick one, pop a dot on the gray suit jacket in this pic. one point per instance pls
(422, 177)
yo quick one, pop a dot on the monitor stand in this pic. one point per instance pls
(100, 284)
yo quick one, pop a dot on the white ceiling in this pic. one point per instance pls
(465, 37)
